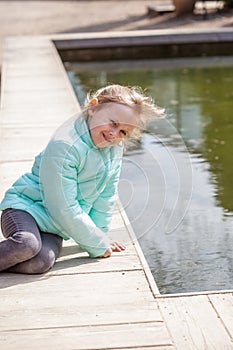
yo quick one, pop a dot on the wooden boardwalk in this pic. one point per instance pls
(85, 303)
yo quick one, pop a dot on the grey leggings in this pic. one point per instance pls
(26, 249)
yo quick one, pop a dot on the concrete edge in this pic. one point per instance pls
(149, 276)
(142, 38)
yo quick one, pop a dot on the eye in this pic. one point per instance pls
(124, 133)
(114, 123)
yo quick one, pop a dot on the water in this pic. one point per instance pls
(176, 184)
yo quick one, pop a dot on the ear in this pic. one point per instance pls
(93, 102)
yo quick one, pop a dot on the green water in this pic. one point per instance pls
(177, 183)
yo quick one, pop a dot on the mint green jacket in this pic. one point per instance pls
(71, 188)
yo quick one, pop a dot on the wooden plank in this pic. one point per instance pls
(155, 347)
(30, 69)
(54, 94)
(57, 97)
(223, 304)
(73, 260)
(22, 143)
(41, 42)
(9, 172)
(117, 262)
(73, 300)
(194, 324)
(39, 98)
(51, 117)
(43, 83)
(115, 336)
(160, 347)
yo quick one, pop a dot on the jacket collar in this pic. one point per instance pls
(82, 130)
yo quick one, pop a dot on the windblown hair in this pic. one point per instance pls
(133, 97)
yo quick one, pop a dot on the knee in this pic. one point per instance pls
(43, 262)
(28, 243)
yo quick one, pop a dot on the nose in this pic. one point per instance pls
(113, 133)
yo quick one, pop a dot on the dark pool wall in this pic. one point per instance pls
(147, 46)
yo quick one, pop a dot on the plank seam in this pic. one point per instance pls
(82, 326)
(91, 272)
(191, 294)
(220, 318)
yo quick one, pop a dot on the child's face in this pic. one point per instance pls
(111, 123)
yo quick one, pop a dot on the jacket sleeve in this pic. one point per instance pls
(102, 209)
(58, 177)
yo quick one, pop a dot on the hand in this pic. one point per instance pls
(115, 247)
(107, 253)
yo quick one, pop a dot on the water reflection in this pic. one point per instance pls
(176, 185)
(203, 117)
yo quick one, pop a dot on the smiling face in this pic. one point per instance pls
(110, 123)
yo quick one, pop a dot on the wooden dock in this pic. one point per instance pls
(85, 303)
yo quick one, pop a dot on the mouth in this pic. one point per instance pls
(106, 138)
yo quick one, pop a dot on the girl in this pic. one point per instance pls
(71, 189)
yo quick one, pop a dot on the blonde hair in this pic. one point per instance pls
(132, 97)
